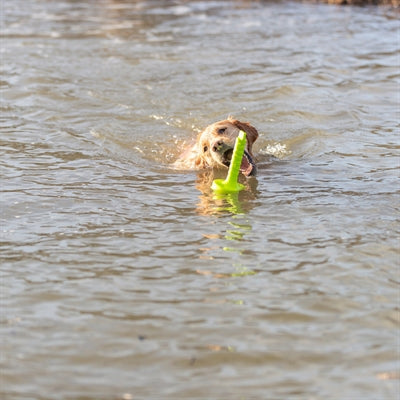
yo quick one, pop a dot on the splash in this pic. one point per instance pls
(277, 150)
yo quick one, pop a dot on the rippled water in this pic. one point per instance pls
(124, 278)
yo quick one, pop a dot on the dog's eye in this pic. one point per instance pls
(205, 148)
(221, 131)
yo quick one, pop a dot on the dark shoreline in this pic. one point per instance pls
(389, 3)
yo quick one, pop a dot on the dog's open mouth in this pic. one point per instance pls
(247, 166)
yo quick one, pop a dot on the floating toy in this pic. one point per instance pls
(230, 184)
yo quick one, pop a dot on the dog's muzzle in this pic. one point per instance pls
(247, 166)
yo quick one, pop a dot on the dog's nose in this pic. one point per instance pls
(218, 145)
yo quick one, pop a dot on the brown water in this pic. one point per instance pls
(123, 278)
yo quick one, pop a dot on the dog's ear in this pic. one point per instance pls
(200, 162)
(251, 132)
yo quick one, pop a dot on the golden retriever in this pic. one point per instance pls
(214, 147)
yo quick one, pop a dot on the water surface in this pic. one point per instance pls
(124, 278)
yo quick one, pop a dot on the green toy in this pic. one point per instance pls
(230, 184)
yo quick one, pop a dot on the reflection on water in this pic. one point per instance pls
(124, 278)
(230, 202)
(211, 202)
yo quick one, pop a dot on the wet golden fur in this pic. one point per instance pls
(208, 151)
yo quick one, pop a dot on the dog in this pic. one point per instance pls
(214, 148)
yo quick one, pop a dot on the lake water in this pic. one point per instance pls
(123, 278)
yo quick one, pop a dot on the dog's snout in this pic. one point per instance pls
(218, 145)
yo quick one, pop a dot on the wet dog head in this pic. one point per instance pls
(216, 143)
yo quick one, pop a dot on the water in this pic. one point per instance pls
(124, 278)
